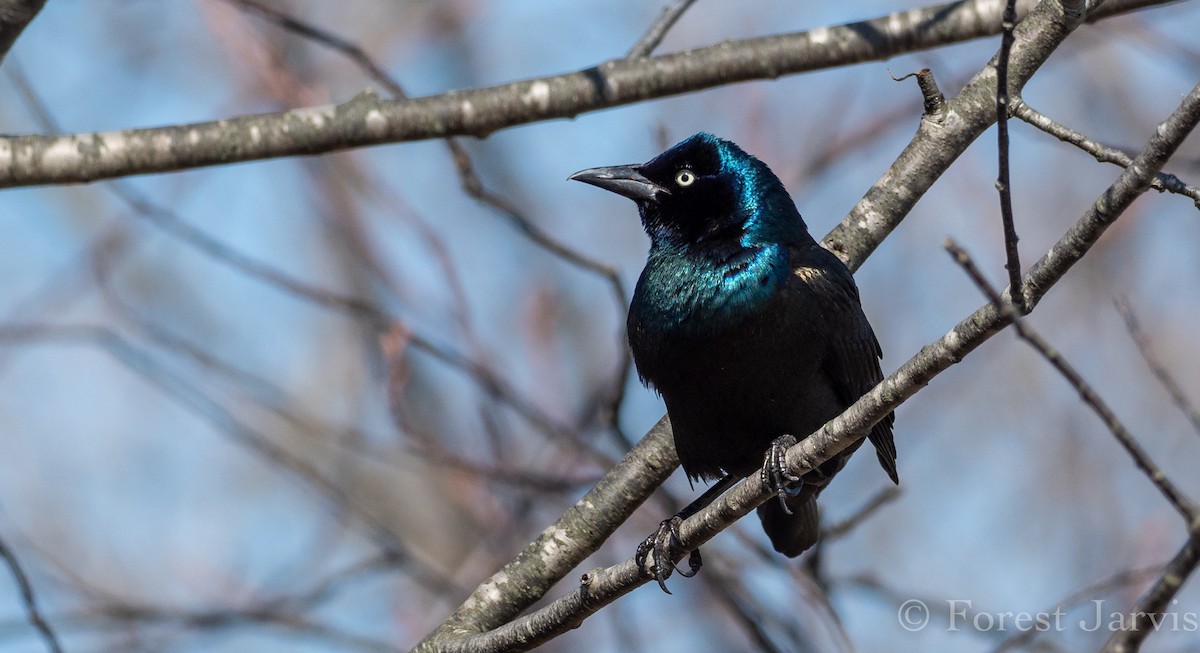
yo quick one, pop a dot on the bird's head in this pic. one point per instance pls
(705, 190)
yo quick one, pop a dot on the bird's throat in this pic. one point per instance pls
(685, 290)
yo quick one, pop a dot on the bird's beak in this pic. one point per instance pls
(622, 180)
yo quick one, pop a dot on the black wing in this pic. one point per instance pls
(853, 359)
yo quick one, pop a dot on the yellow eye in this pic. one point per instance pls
(685, 177)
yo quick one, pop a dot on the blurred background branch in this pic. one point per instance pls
(369, 120)
(366, 393)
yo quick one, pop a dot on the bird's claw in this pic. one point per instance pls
(775, 476)
(664, 543)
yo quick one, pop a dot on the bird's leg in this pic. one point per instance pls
(775, 476)
(665, 540)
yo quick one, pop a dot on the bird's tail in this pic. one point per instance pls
(792, 534)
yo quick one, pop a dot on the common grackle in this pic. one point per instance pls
(748, 328)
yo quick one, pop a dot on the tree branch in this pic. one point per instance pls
(203, 405)
(1150, 608)
(1165, 486)
(1003, 184)
(1163, 182)
(1154, 603)
(603, 586)
(369, 120)
(473, 185)
(1160, 372)
(15, 16)
(841, 529)
(33, 615)
(971, 119)
(564, 544)
(659, 29)
(944, 135)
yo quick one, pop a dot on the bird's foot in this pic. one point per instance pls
(775, 477)
(665, 543)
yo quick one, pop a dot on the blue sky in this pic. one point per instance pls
(119, 484)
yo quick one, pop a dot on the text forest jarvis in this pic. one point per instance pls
(749, 329)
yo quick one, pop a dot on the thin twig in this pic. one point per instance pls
(1151, 606)
(202, 404)
(267, 394)
(1163, 182)
(931, 95)
(1149, 611)
(471, 182)
(1182, 504)
(659, 29)
(963, 616)
(490, 612)
(731, 592)
(474, 187)
(1003, 183)
(124, 613)
(814, 561)
(1113, 582)
(375, 317)
(1156, 367)
(324, 37)
(33, 615)
(843, 528)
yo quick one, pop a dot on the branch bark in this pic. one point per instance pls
(565, 543)
(1153, 605)
(1163, 182)
(1150, 610)
(603, 586)
(1036, 38)
(369, 120)
(944, 135)
(15, 16)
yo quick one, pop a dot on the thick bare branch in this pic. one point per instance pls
(566, 542)
(1151, 607)
(15, 16)
(473, 185)
(864, 240)
(944, 135)
(369, 120)
(603, 586)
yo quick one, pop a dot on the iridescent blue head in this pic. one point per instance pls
(705, 191)
(721, 226)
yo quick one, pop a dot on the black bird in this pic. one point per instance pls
(747, 327)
